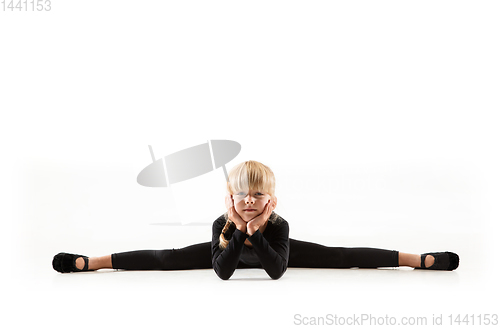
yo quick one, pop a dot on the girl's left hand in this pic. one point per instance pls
(257, 222)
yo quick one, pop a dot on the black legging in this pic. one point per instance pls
(302, 254)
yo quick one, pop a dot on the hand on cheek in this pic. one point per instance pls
(275, 202)
(258, 221)
(234, 216)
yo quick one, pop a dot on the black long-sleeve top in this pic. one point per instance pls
(270, 250)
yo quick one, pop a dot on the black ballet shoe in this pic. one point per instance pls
(66, 263)
(447, 261)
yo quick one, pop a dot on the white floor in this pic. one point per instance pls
(38, 295)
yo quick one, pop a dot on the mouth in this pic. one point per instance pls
(249, 210)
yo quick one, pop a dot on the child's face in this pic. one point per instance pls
(251, 199)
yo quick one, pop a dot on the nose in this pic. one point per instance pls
(249, 200)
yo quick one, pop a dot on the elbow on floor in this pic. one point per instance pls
(224, 276)
(276, 276)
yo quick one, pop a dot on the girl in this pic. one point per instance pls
(251, 235)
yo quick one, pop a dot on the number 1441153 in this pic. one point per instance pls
(27, 5)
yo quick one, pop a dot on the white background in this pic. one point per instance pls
(378, 119)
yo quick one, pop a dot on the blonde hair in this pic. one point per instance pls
(247, 175)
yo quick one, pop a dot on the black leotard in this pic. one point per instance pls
(270, 250)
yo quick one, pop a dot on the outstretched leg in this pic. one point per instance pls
(313, 255)
(197, 256)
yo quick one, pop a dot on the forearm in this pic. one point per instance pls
(274, 263)
(227, 260)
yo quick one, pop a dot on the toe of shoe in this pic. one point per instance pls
(57, 263)
(62, 262)
(454, 261)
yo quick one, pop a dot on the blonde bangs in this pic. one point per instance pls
(251, 175)
(238, 179)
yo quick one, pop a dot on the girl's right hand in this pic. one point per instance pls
(233, 215)
(229, 201)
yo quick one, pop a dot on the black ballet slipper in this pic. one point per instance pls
(446, 261)
(66, 263)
